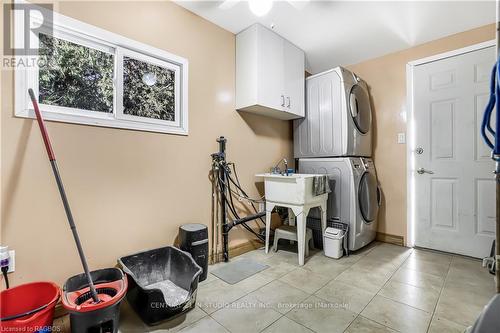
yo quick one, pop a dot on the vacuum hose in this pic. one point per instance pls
(486, 123)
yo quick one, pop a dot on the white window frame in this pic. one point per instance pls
(90, 36)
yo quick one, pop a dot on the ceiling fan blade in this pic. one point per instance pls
(298, 4)
(228, 4)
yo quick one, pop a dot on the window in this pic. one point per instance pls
(86, 75)
(74, 76)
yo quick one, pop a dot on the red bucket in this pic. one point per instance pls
(29, 307)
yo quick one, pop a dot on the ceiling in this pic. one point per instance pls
(347, 32)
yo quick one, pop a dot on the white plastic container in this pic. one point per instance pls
(332, 243)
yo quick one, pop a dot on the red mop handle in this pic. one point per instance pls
(41, 124)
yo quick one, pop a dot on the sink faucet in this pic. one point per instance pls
(277, 169)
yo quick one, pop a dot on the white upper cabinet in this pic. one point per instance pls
(270, 74)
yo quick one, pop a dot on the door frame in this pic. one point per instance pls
(410, 130)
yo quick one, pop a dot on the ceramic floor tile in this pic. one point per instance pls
(426, 267)
(420, 298)
(396, 315)
(432, 257)
(355, 299)
(285, 325)
(418, 279)
(461, 305)
(441, 325)
(390, 253)
(210, 278)
(378, 264)
(258, 255)
(329, 267)
(322, 316)
(205, 325)
(364, 325)
(254, 282)
(305, 280)
(277, 270)
(281, 256)
(180, 322)
(280, 296)
(469, 273)
(369, 280)
(247, 315)
(217, 294)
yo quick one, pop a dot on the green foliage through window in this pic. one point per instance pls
(148, 90)
(75, 76)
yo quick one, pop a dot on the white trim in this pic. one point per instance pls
(121, 53)
(72, 30)
(410, 146)
(453, 53)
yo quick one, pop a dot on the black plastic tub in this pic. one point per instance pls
(162, 283)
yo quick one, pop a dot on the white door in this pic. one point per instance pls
(455, 188)
(271, 70)
(294, 63)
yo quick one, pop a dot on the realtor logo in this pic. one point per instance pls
(21, 24)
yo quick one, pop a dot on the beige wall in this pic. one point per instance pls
(129, 190)
(387, 79)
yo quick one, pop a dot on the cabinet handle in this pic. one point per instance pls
(282, 100)
(288, 100)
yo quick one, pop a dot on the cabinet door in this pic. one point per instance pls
(270, 70)
(294, 77)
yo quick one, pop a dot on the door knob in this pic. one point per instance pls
(421, 171)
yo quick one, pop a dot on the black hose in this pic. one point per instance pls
(243, 192)
(232, 208)
(5, 269)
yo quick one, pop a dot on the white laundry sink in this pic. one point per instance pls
(295, 189)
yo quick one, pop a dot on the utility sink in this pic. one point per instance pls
(295, 189)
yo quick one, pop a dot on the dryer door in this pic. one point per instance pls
(359, 105)
(368, 196)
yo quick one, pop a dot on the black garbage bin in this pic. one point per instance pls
(194, 239)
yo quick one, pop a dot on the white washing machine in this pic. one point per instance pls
(355, 197)
(338, 120)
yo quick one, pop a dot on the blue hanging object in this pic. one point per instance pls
(486, 128)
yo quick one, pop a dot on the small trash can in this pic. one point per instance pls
(332, 243)
(194, 239)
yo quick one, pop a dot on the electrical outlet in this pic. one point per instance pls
(401, 138)
(12, 261)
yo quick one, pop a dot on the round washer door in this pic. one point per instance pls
(368, 197)
(361, 111)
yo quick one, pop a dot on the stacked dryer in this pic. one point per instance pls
(335, 138)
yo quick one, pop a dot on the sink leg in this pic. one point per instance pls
(301, 235)
(291, 219)
(268, 229)
(323, 219)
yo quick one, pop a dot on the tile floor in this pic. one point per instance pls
(383, 288)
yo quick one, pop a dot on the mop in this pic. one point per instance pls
(69, 215)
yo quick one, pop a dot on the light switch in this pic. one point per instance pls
(402, 138)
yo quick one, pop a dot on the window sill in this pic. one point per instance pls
(103, 122)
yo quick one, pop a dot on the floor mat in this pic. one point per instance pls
(238, 270)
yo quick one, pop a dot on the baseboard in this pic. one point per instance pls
(391, 239)
(239, 249)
